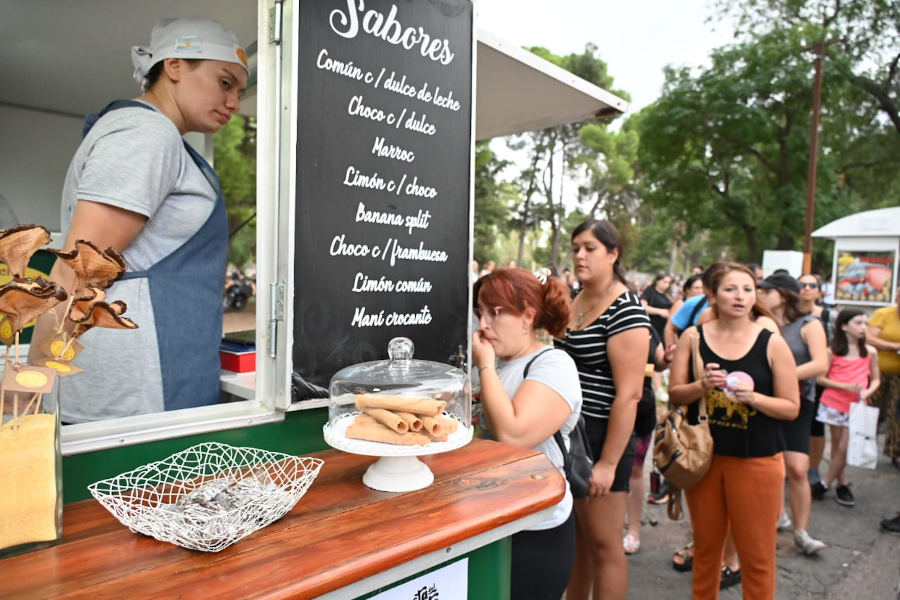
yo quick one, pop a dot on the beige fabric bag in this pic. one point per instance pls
(683, 452)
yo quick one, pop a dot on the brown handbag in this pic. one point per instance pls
(682, 452)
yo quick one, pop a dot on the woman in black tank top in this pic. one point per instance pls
(749, 383)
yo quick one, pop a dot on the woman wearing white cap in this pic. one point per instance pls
(135, 185)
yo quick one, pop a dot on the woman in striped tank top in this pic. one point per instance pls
(608, 337)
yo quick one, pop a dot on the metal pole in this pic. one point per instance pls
(819, 48)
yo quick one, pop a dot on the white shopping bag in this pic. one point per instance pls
(862, 450)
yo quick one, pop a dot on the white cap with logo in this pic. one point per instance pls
(192, 38)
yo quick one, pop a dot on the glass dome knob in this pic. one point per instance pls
(400, 348)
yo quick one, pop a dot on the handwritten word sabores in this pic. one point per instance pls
(346, 24)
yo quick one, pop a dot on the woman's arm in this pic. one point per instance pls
(874, 375)
(823, 380)
(627, 352)
(534, 413)
(873, 337)
(670, 333)
(102, 225)
(682, 390)
(785, 403)
(652, 310)
(813, 335)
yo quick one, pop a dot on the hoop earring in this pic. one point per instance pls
(525, 329)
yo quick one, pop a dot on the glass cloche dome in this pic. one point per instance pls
(401, 407)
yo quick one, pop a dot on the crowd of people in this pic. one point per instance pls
(778, 365)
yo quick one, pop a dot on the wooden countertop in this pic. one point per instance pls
(339, 533)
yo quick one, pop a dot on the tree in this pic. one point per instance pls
(861, 36)
(235, 161)
(491, 201)
(554, 154)
(726, 148)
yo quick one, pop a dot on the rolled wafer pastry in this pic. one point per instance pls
(414, 422)
(450, 424)
(433, 426)
(388, 418)
(365, 427)
(411, 404)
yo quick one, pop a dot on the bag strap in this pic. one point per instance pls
(698, 367)
(567, 458)
(673, 508)
(692, 319)
(534, 358)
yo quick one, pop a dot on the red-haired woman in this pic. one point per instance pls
(526, 410)
(749, 385)
(609, 339)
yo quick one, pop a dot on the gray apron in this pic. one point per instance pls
(186, 294)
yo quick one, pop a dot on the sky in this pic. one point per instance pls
(636, 38)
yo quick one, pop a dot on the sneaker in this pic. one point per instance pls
(891, 525)
(784, 522)
(806, 543)
(844, 496)
(818, 489)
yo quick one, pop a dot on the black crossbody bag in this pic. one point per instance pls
(577, 461)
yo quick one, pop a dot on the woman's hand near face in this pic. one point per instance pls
(482, 351)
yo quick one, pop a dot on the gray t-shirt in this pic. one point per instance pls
(133, 159)
(793, 334)
(556, 370)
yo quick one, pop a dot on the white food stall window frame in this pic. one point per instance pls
(263, 405)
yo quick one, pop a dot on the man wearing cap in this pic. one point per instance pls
(135, 185)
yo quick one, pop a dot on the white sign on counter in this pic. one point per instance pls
(447, 583)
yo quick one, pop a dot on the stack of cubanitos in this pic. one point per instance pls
(404, 420)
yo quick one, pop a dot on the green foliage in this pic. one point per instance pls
(717, 167)
(235, 164)
(491, 202)
(726, 148)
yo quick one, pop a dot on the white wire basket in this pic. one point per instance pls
(208, 496)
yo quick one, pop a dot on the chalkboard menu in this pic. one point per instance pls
(382, 232)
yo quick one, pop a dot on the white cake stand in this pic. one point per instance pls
(398, 469)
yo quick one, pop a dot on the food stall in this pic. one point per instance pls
(864, 270)
(333, 188)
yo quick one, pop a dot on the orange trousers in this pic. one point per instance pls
(744, 493)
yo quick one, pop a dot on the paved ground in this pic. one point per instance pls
(860, 562)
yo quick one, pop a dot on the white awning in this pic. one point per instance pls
(54, 60)
(881, 222)
(517, 91)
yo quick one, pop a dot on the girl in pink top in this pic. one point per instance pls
(852, 377)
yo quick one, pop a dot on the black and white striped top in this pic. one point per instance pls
(588, 348)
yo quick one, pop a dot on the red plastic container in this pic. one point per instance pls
(239, 362)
